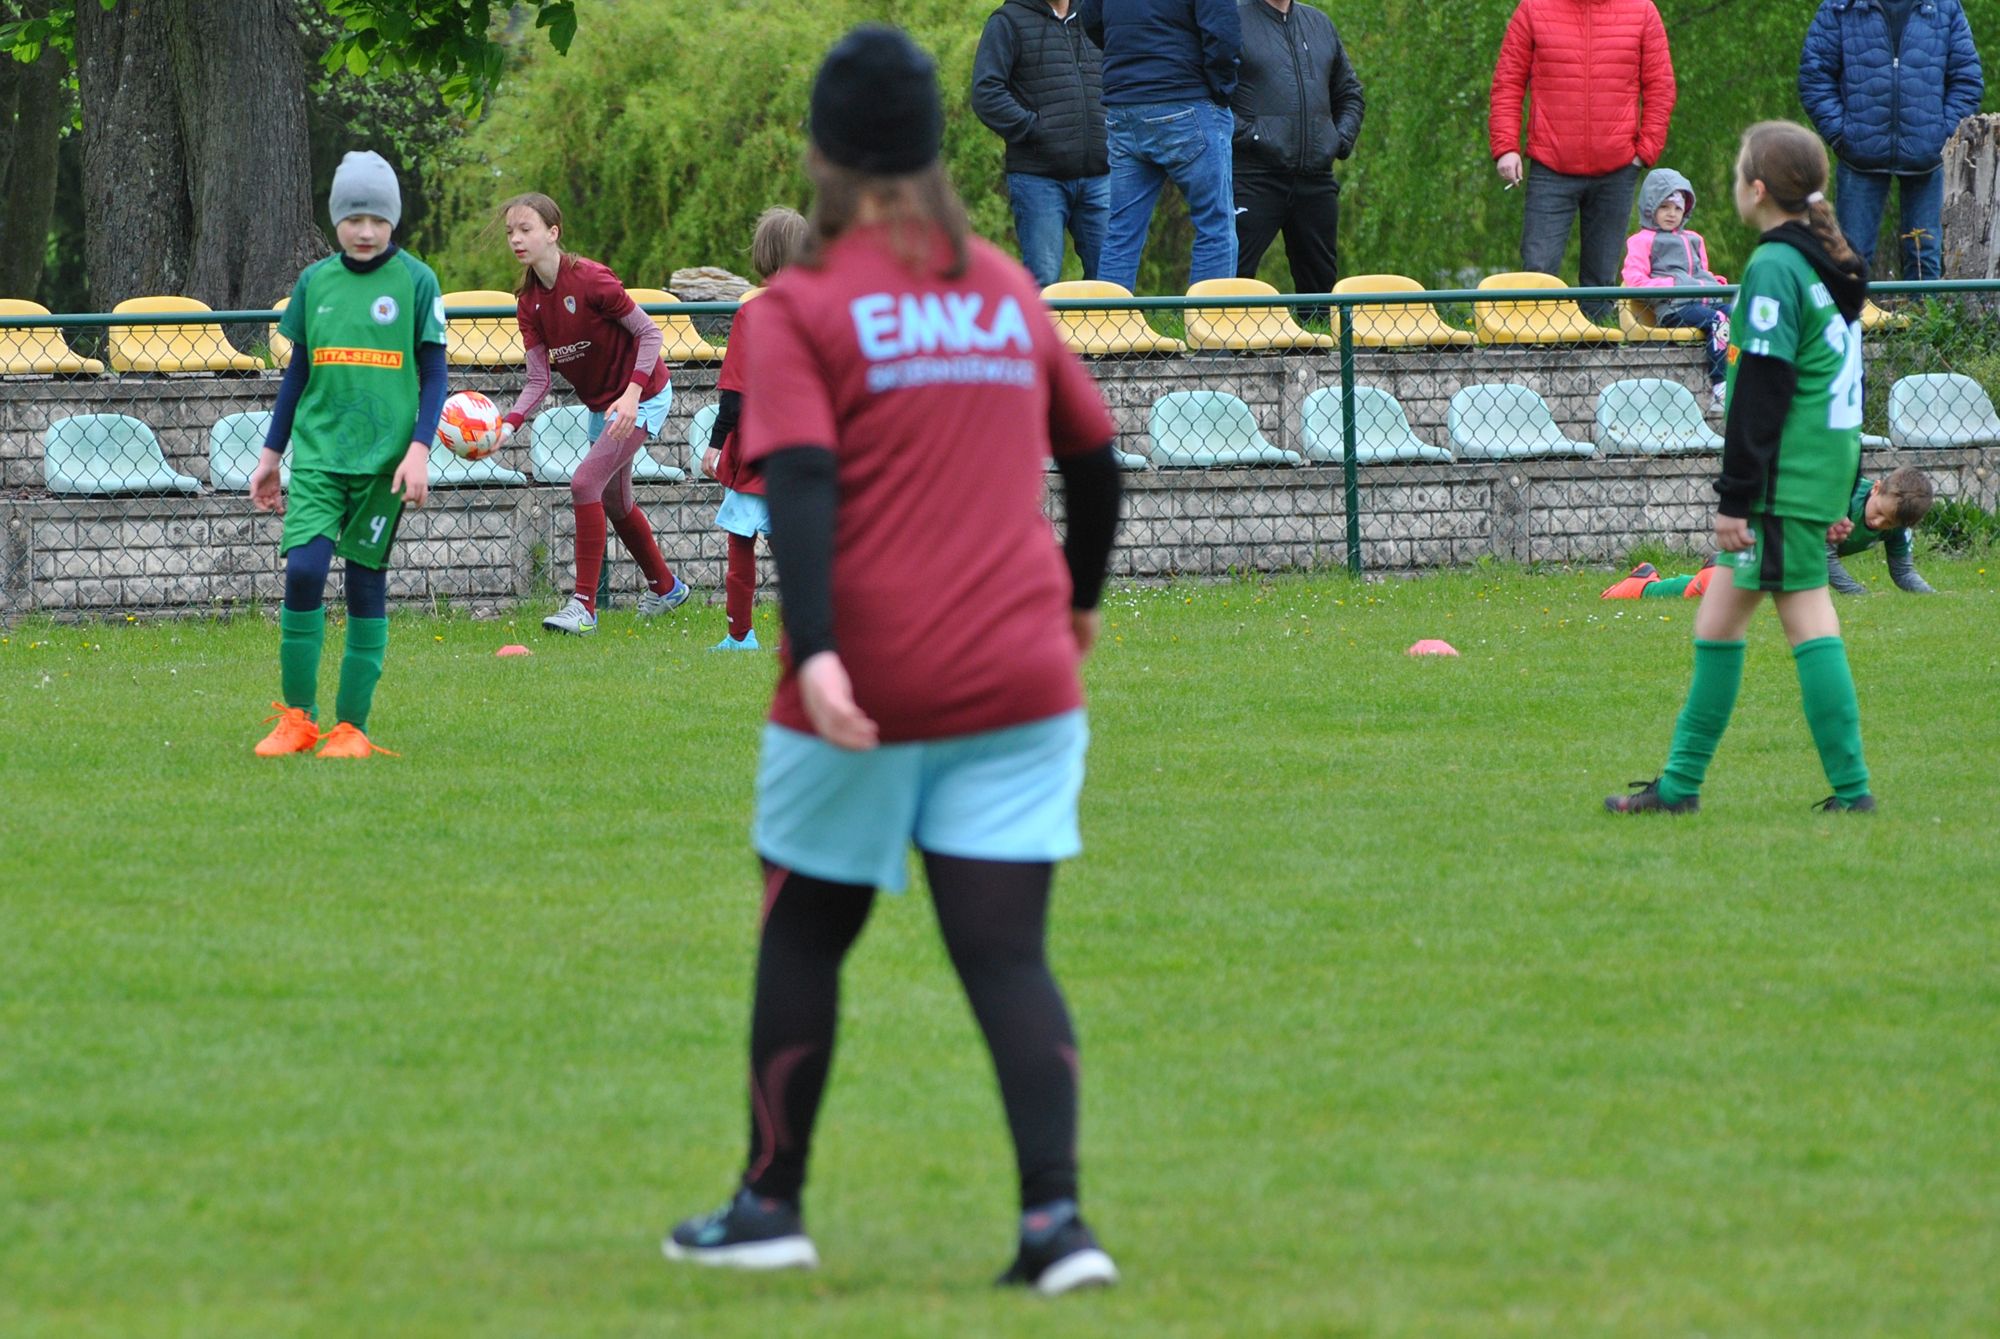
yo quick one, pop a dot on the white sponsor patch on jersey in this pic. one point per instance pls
(890, 326)
(1764, 312)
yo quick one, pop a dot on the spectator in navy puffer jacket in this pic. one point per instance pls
(1886, 82)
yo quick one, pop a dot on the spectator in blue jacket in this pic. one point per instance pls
(1169, 71)
(1886, 82)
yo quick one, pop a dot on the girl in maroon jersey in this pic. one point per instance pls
(577, 319)
(907, 388)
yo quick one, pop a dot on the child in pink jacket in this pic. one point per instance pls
(1667, 254)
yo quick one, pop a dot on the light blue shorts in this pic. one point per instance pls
(743, 514)
(851, 817)
(652, 414)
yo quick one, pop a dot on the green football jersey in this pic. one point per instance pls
(359, 335)
(1895, 540)
(1784, 311)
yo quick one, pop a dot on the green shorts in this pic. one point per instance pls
(1788, 555)
(356, 510)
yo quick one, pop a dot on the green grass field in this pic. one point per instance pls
(1387, 1028)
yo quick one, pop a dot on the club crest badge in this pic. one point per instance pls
(384, 310)
(569, 303)
(1764, 313)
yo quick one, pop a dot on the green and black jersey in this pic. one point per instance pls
(359, 333)
(1802, 466)
(1895, 541)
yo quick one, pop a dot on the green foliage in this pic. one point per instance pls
(451, 38)
(668, 128)
(1962, 527)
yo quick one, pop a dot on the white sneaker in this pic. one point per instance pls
(651, 605)
(574, 618)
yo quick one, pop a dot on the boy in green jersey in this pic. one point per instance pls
(1791, 452)
(1883, 512)
(359, 405)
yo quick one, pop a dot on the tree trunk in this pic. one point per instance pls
(1971, 216)
(136, 217)
(195, 148)
(240, 78)
(28, 153)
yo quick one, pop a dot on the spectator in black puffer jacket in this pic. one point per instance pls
(1298, 110)
(1037, 83)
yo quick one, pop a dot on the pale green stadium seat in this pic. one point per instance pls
(448, 471)
(1205, 429)
(1497, 420)
(108, 453)
(699, 429)
(1940, 409)
(559, 439)
(1651, 416)
(1382, 431)
(234, 443)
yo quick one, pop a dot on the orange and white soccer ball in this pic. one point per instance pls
(469, 427)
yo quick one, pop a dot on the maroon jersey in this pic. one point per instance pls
(735, 376)
(577, 322)
(940, 399)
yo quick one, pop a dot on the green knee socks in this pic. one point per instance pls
(1834, 716)
(1718, 674)
(300, 633)
(360, 669)
(1666, 588)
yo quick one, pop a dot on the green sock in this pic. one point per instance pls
(1718, 673)
(1833, 714)
(300, 634)
(1665, 587)
(360, 668)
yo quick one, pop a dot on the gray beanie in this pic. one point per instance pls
(364, 183)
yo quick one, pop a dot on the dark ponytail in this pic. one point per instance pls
(1791, 162)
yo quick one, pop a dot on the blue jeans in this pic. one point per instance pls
(1860, 199)
(1150, 143)
(1713, 322)
(1045, 208)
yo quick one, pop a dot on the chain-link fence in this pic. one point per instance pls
(1514, 421)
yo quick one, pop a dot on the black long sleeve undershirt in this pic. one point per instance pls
(1758, 404)
(728, 411)
(1093, 493)
(804, 498)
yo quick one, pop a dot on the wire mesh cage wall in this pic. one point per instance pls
(1380, 427)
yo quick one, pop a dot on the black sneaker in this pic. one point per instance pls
(1833, 804)
(749, 1232)
(1058, 1254)
(1645, 799)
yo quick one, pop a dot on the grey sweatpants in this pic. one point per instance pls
(1605, 203)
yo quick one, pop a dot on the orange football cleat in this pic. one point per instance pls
(344, 741)
(295, 732)
(1644, 575)
(1699, 586)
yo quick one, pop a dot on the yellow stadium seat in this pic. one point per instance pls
(680, 342)
(1105, 331)
(1558, 321)
(1874, 318)
(1639, 326)
(482, 341)
(1413, 325)
(173, 348)
(749, 293)
(1243, 328)
(37, 352)
(281, 348)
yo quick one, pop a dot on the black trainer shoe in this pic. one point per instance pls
(1833, 804)
(1058, 1254)
(749, 1232)
(1645, 799)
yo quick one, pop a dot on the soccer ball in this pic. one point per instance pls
(469, 427)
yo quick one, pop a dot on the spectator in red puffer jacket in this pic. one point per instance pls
(1602, 85)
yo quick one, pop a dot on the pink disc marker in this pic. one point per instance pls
(1431, 646)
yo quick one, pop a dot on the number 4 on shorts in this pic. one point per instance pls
(372, 529)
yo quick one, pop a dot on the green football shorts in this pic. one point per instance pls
(1788, 555)
(358, 510)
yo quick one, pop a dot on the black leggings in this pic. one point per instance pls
(306, 569)
(993, 916)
